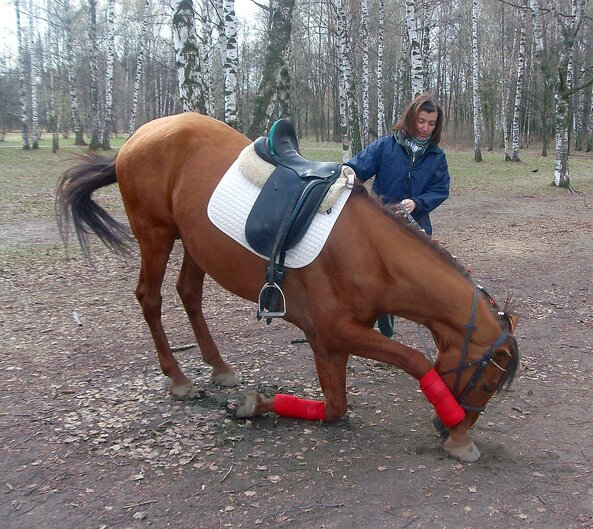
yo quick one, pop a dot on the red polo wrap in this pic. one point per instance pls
(290, 406)
(438, 394)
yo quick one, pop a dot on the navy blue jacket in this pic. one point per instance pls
(399, 175)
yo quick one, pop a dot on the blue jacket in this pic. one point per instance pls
(399, 175)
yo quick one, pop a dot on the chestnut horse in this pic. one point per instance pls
(372, 263)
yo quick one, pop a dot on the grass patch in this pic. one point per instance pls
(493, 174)
(28, 179)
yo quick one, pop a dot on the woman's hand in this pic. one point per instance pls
(409, 205)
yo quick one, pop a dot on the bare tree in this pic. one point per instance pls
(139, 66)
(476, 84)
(108, 121)
(519, 87)
(417, 67)
(380, 95)
(275, 76)
(556, 77)
(22, 90)
(94, 144)
(186, 56)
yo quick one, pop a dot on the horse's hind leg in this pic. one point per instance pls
(154, 258)
(190, 286)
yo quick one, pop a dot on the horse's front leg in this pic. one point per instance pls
(367, 343)
(331, 370)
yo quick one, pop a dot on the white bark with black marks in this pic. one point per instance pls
(476, 85)
(519, 88)
(416, 64)
(108, 121)
(139, 68)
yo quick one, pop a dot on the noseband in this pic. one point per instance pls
(481, 362)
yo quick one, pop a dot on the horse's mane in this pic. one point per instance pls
(445, 255)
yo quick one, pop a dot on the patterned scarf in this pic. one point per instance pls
(416, 144)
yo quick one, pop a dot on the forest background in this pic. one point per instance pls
(509, 74)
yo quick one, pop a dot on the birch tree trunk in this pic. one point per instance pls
(590, 127)
(94, 144)
(108, 123)
(556, 76)
(476, 84)
(34, 77)
(186, 56)
(416, 66)
(380, 95)
(350, 85)
(343, 65)
(139, 67)
(580, 114)
(22, 89)
(364, 33)
(207, 56)
(275, 77)
(231, 64)
(53, 119)
(519, 87)
(71, 73)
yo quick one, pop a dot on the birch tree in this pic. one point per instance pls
(417, 69)
(108, 121)
(139, 66)
(519, 87)
(94, 143)
(231, 64)
(22, 84)
(364, 33)
(207, 64)
(556, 75)
(476, 84)
(274, 76)
(69, 44)
(53, 117)
(186, 56)
(34, 74)
(380, 95)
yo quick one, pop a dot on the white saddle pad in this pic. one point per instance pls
(233, 199)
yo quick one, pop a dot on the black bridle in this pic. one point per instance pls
(481, 362)
(470, 327)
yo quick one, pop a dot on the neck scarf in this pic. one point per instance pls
(416, 144)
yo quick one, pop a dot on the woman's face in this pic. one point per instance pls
(425, 123)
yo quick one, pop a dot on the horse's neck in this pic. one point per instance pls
(430, 287)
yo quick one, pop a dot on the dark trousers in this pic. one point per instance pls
(385, 323)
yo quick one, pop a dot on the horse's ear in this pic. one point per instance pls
(513, 319)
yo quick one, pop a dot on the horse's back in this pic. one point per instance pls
(173, 161)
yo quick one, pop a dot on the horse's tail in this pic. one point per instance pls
(74, 204)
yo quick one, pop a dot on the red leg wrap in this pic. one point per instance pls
(438, 394)
(289, 406)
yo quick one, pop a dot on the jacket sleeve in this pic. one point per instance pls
(366, 162)
(437, 191)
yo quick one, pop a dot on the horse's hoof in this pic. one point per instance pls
(440, 427)
(228, 378)
(248, 405)
(185, 391)
(468, 452)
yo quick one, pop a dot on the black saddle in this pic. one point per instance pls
(285, 208)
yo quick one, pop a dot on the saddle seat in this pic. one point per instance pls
(284, 208)
(281, 147)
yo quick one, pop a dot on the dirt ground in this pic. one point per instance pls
(92, 439)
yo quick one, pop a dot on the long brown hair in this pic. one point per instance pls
(428, 103)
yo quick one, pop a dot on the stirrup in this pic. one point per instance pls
(262, 312)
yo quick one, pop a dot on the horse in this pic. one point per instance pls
(372, 263)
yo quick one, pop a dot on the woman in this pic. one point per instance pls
(409, 168)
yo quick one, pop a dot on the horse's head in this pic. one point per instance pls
(474, 380)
